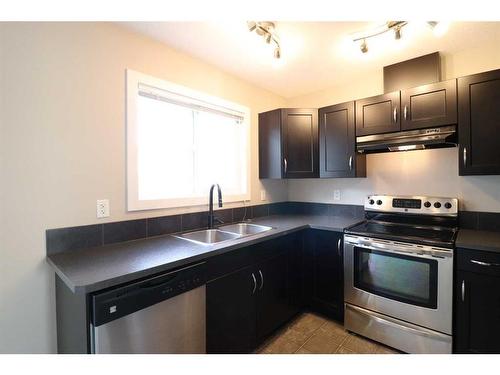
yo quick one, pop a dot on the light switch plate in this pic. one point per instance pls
(262, 195)
(102, 208)
(336, 195)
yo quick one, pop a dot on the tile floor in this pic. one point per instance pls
(313, 334)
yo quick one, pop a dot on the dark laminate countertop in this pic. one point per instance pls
(92, 269)
(478, 240)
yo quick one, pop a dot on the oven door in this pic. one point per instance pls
(405, 281)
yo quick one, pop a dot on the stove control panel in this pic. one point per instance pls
(412, 205)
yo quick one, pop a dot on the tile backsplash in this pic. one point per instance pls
(73, 238)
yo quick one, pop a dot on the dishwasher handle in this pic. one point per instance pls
(162, 280)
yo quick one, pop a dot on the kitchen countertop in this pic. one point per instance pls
(96, 268)
(478, 240)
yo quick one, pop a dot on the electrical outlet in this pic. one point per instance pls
(336, 195)
(262, 195)
(102, 208)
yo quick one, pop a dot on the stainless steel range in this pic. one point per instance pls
(398, 267)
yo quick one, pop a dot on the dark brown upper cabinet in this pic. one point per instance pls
(288, 143)
(479, 124)
(337, 143)
(429, 105)
(378, 114)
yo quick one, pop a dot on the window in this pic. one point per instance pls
(180, 142)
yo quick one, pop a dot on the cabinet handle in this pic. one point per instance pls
(261, 279)
(465, 156)
(338, 246)
(254, 283)
(463, 290)
(405, 112)
(350, 163)
(395, 114)
(286, 165)
(485, 263)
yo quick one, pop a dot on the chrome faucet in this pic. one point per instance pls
(211, 217)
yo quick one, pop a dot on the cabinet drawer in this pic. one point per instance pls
(478, 261)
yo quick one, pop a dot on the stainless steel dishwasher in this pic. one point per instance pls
(162, 314)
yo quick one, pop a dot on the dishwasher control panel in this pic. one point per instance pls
(123, 300)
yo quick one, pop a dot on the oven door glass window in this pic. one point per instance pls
(403, 278)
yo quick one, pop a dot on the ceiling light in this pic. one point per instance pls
(396, 26)
(267, 30)
(363, 46)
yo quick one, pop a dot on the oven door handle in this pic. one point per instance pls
(418, 253)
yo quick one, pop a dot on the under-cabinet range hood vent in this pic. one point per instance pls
(445, 136)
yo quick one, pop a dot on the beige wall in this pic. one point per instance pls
(429, 172)
(63, 146)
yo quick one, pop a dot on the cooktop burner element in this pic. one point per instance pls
(417, 219)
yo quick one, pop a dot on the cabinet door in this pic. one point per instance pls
(270, 156)
(300, 143)
(273, 304)
(378, 114)
(477, 323)
(429, 105)
(337, 143)
(231, 317)
(324, 272)
(479, 123)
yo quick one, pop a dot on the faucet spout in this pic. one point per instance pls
(211, 216)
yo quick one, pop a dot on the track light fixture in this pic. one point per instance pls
(267, 30)
(438, 28)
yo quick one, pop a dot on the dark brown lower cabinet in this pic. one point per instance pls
(323, 273)
(477, 302)
(231, 326)
(246, 306)
(273, 299)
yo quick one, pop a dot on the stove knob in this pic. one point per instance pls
(427, 204)
(371, 201)
(379, 202)
(447, 205)
(437, 205)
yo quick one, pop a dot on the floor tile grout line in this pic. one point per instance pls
(310, 336)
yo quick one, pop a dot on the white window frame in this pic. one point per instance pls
(133, 80)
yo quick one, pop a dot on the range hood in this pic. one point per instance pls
(444, 136)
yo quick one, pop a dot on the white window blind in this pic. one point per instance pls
(180, 142)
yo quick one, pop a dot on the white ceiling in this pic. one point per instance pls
(315, 55)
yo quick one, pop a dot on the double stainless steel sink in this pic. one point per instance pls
(223, 233)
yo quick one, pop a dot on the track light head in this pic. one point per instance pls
(397, 33)
(268, 38)
(363, 46)
(252, 25)
(277, 53)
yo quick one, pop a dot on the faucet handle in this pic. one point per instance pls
(218, 220)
